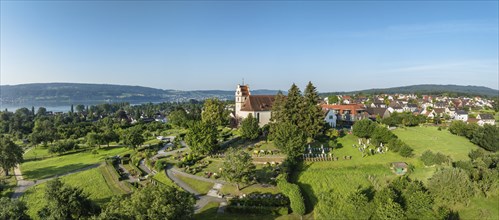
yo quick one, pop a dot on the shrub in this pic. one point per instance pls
(292, 191)
(429, 158)
(405, 151)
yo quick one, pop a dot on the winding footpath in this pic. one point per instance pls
(171, 172)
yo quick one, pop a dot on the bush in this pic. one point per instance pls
(292, 191)
(429, 158)
(405, 151)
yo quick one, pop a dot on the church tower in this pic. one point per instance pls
(242, 93)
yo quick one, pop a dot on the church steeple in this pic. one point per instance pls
(242, 93)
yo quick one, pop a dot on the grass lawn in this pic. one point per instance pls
(481, 208)
(7, 183)
(210, 212)
(429, 138)
(41, 169)
(231, 189)
(91, 181)
(344, 176)
(162, 178)
(200, 186)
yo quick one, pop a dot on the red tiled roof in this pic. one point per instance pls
(245, 90)
(352, 108)
(258, 103)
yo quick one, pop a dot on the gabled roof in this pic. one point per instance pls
(486, 116)
(439, 110)
(461, 112)
(376, 111)
(258, 103)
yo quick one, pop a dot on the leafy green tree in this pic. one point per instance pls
(44, 131)
(202, 138)
(80, 108)
(289, 139)
(214, 112)
(13, 209)
(332, 99)
(109, 136)
(363, 128)
(178, 118)
(405, 151)
(41, 112)
(313, 118)
(238, 167)
(487, 137)
(94, 139)
(381, 134)
(151, 202)
(334, 206)
(133, 137)
(451, 186)
(10, 154)
(66, 202)
(458, 127)
(386, 206)
(250, 128)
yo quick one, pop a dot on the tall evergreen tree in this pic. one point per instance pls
(214, 112)
(249, 127)
(293, 106)
(312, 120)
(278, 108)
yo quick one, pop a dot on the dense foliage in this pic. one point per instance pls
(151, 202)
(486, 137)
(202, 138)
(249, 127)
(292, 191)
(429, 158)
(66, 202)
(13, 209)
(10, 154)
(238, 166)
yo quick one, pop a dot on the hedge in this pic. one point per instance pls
(257, 210)
(292, 191)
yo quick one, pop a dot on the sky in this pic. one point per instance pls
(193, 45)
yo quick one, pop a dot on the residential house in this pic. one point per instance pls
(348, 113)
(331, 118)
(374, 113)
(461, 115)
(485, 119)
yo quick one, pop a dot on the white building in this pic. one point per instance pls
(331, 118)
(259, 106)
(461, 115)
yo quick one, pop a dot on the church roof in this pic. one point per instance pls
(258, 103)
(245, 90)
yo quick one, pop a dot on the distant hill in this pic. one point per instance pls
(430, 89)
(80, 93)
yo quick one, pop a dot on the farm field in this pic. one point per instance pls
(49, 167)
(91, 181)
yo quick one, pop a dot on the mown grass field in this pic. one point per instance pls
(210, 212)
(40, 169)
(429, 138)
(162, 178)
(91, 181)
(7, 183)
(481, 208)
(344, 176)
(201, 187)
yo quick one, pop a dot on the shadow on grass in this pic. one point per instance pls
(52, 171)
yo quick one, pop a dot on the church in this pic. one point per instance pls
(260, 106)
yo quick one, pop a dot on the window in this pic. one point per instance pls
(258, 117)
(330, 117)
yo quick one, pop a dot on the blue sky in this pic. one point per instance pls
(339, 46)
